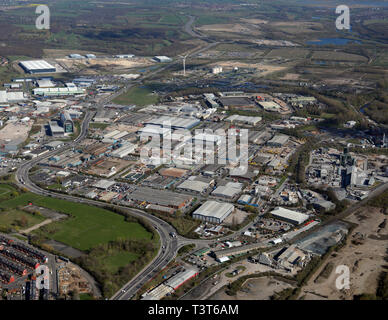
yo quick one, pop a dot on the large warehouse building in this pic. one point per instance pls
(37, 66)
(213, 212)
(293, 217)
(174, 122)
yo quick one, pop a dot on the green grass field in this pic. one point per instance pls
(102, 126)
(138, 96)
(114, 261)
(11, 219)
(6, 191)
(86, 227)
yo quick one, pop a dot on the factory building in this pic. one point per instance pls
(55, 130)
(67, 122)
(270, 106)
(293, 217)
(37, 66)
(45, 83)
(209, 140)
(196, 184)
(75, 56)
(53, 92)
(153, 131)
(237, 119)
(124, 150)
(181, 278)
(162, 59)
(104, 184)
(230, 190)
(175, 123)
(278, 140)
(213, 212)
(11, 97)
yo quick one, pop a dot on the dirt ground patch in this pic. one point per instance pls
(291, 76)
(255, 21)
(365, 257)
(104, 64)
(231, 28)
(297, 26)
(236, 217)
(15, 131)
(256, 289)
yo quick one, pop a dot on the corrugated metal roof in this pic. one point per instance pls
(214, 209)
(181, 278)
(36, 65)
(289, 214)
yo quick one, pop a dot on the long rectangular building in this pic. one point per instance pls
(68, 91)
(213, 212)
(174, 122)
(37, 66)
(291, 216)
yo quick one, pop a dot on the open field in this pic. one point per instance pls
(6, 191)
(86, 227)
(288, 53)
(112, 249)
(137, 96)
(17, 219)
(337, 56)
(116, 260)
(297, 27)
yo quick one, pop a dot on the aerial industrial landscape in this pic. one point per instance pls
(219, 150)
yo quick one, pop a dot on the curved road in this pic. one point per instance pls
(169, 245)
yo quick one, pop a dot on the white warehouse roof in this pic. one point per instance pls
(197, 186)
(176, 281)
(289, 215)
(11, 96)
(104, 184)
(215, 209)
(174, 122)
(244, 119)
(36, 65)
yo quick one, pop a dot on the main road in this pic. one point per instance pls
(169, 244)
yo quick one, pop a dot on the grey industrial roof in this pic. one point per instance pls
(289, 214)
(36, 65)
(227, 191)
(198, 186)
(175, 122)
(279, 139)
(181, 278)
(104, 184)
(244, 119)
(54, 127)
(214, 209)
